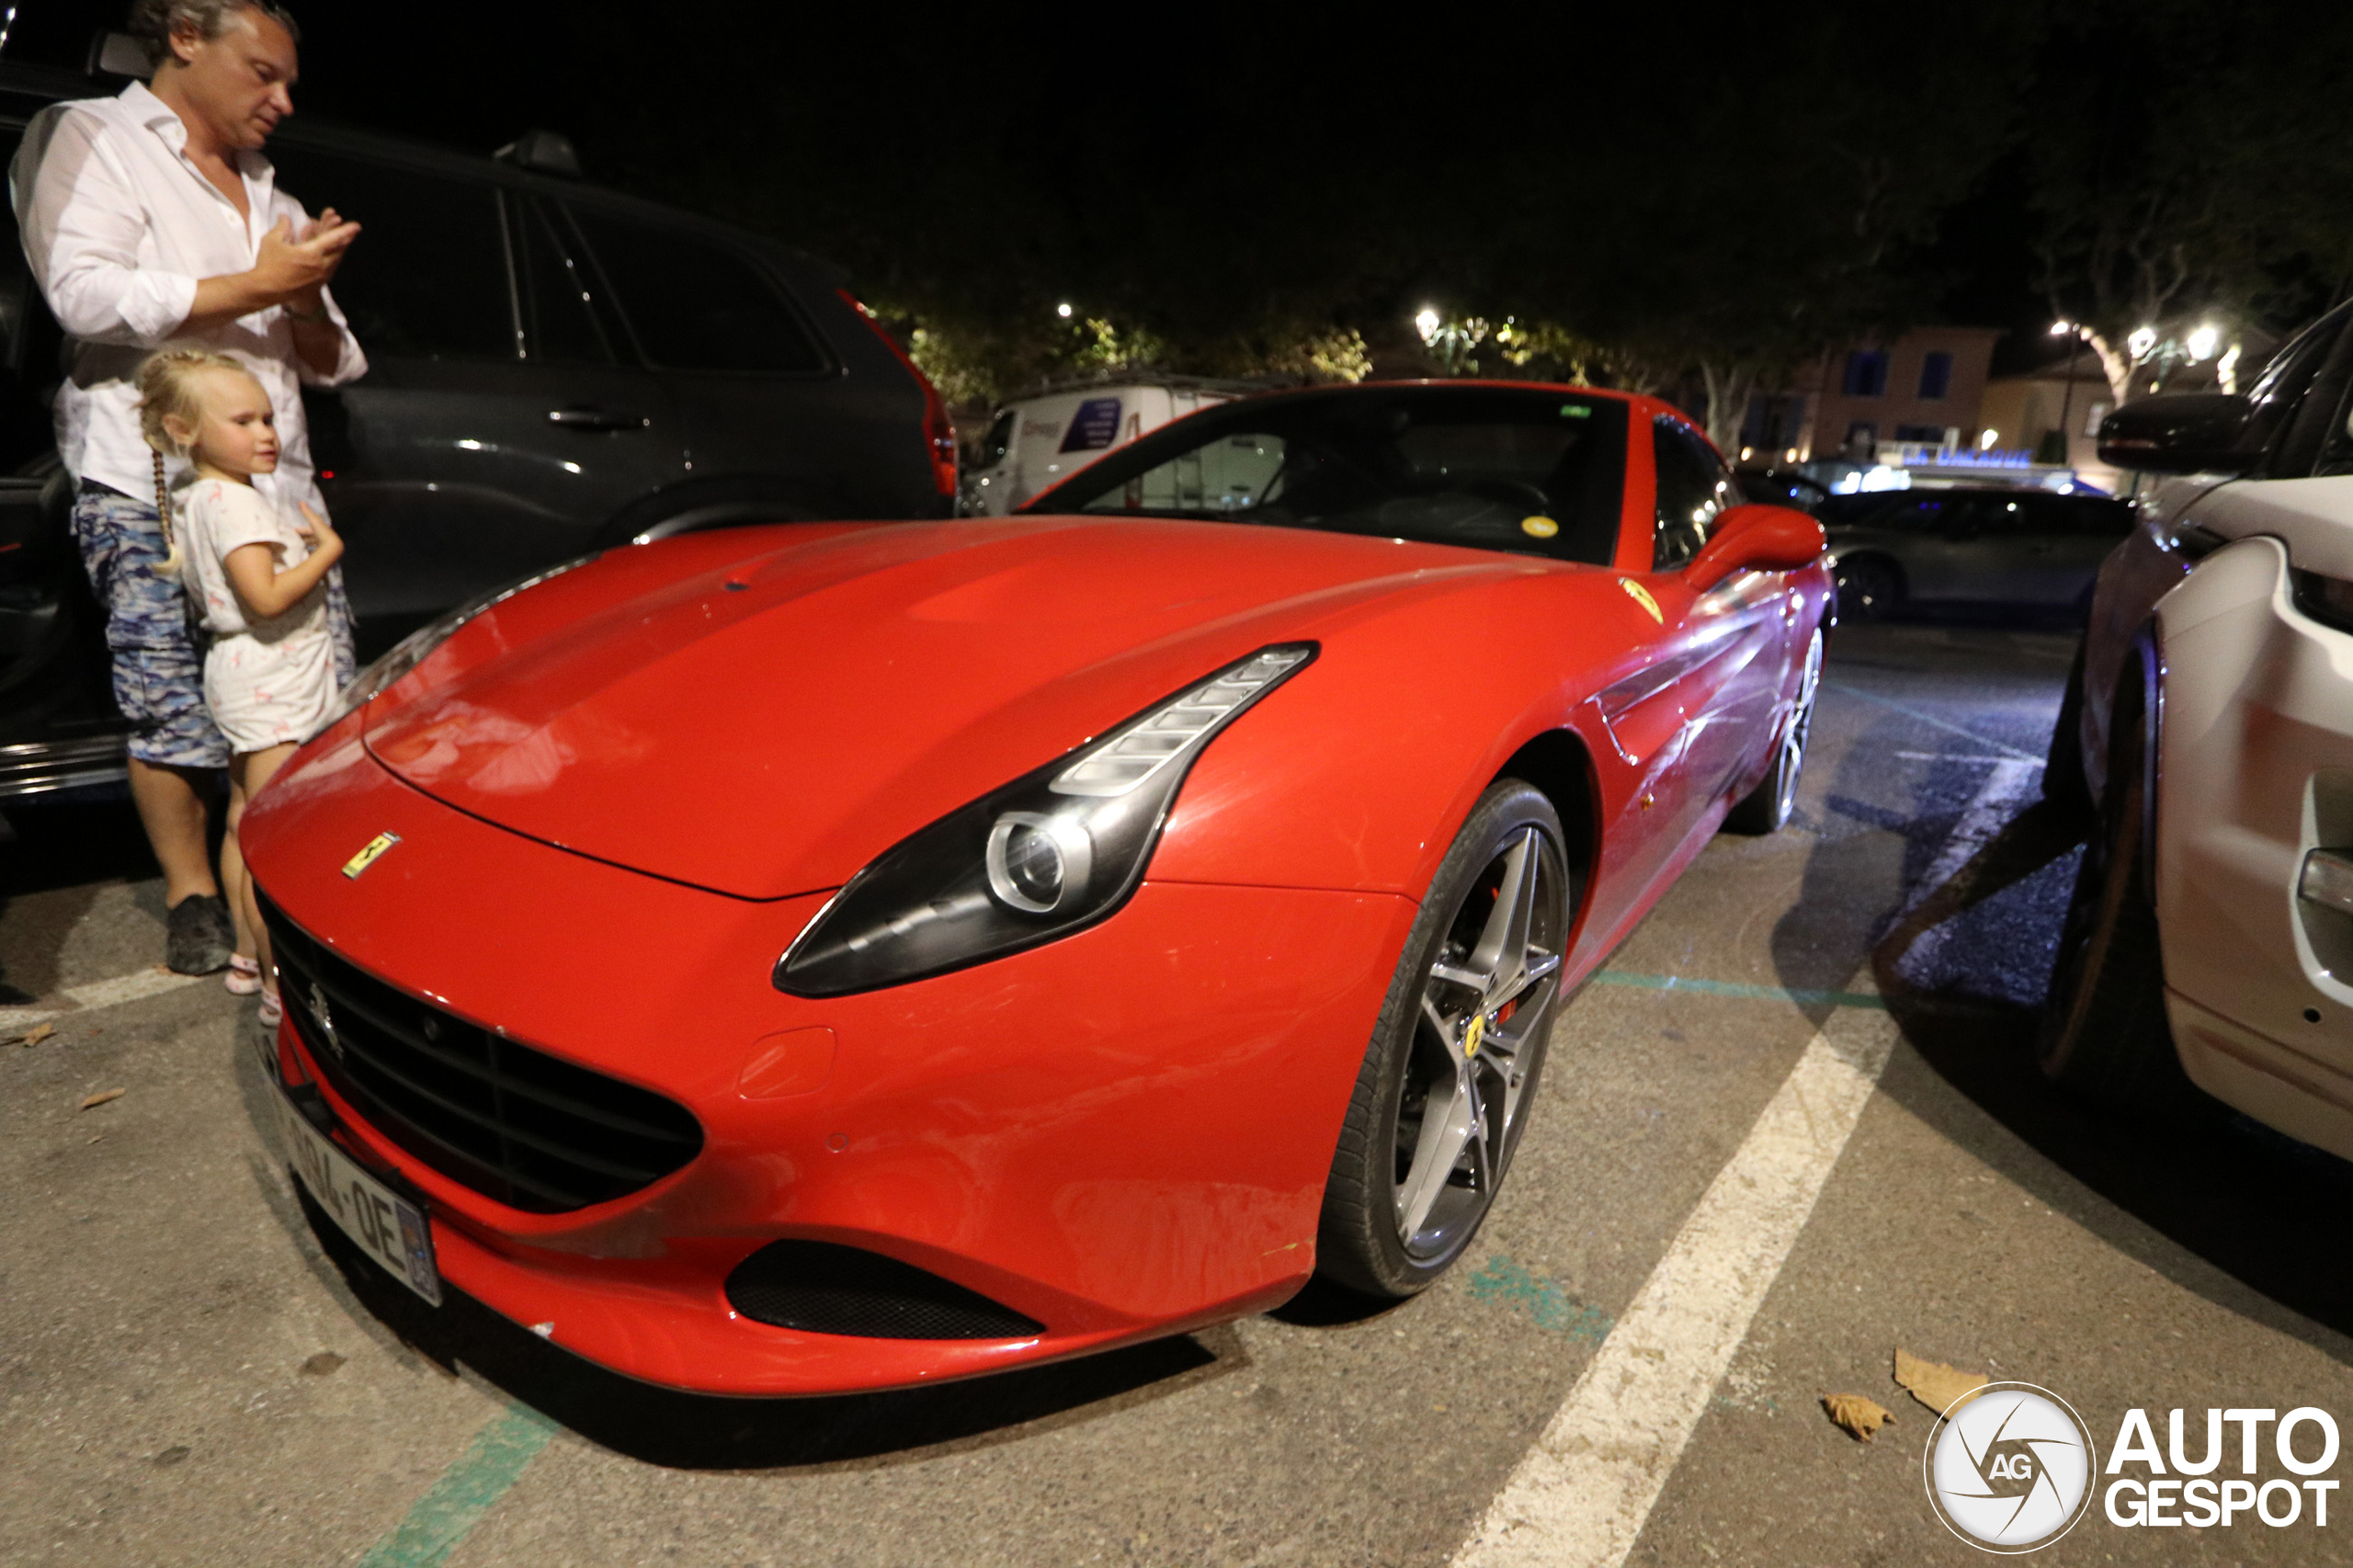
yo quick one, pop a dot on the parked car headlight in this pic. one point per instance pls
(2329, 600)
(1053, 851)
(409, 651)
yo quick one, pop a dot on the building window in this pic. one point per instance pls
(1867, 373)
(1862, 440)
(1936, 374)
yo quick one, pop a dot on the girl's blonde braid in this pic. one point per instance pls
(170, 565)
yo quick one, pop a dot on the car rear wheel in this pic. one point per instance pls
(1444, 1089)
(1868, 589)
(1767, 807)
(2104, 1035)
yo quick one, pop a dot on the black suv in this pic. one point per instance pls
(553, 368)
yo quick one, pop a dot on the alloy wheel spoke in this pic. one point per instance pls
(1436, 1154)
(1501, 952)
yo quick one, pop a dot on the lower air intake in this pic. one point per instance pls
(822, 1288)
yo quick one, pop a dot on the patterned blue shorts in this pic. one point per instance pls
(159, 668)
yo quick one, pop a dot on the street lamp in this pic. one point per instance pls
(1427, 323)
(1062, 311)
(2203, 343)
(2067, 402)
(2143, 339)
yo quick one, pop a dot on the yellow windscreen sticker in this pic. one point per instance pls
(1539, 527)
(1641, 596)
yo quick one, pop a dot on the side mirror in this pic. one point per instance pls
(1756, 538)
(2183, 433)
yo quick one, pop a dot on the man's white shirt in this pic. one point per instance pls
(119, 226)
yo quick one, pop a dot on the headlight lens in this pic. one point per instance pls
(409, 651)
(2329, 600)
(1053, 851)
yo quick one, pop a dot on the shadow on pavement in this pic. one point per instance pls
(2230, 1211)
(690, 1431)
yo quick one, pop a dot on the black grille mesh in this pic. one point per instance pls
(515, 1124)
(821, 1288)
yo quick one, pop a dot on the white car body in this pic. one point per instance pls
(1039, 441)
(2256, 772)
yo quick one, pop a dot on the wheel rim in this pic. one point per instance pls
(1801, 726)
(2090, 924)
(1865, 588)
(1485, 1015)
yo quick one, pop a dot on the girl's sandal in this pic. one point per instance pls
(272, 1009)
(244, 977)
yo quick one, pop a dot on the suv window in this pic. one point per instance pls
(428, 277)
(560, 323)
(1693, 487)
(694, 306)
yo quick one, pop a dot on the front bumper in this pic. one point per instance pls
(1119, 1135)
(2254, 771)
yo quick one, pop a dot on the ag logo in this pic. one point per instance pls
(2010, 1470)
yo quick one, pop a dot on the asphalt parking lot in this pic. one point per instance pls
(190, 1374)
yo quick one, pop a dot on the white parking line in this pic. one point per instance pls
(1982, 821)
(97, 993)
(1581, 1496)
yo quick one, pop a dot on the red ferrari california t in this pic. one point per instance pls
(829, 957)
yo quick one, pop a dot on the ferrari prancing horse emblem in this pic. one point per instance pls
(367, 857)
(1641, 596)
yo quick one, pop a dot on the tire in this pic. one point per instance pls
(1469, 1014)
(1868, 589)
(2103, 1036)
(2063, 766)
(1767, 808)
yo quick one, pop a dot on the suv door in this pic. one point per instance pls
(757, 393)
(497, 428)
(57, 722)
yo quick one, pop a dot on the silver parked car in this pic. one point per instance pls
(1979, 548)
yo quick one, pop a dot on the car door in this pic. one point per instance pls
(497, 427)
(58, 720)
(1691, 714)
(758, 395)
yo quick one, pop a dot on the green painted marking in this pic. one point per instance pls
(439, 1520)
(1802, 998)
(1575, 411)
(1546, 1300)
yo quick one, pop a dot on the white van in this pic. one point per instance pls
(1042, 440)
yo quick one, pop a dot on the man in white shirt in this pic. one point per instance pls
(151, 217)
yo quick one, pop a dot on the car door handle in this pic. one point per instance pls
(596, 419)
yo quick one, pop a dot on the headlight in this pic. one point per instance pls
(409, 651)
(1049, 853)
(2329, 600)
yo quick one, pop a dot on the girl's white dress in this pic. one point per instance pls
(268, 680)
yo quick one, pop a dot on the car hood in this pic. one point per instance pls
(766, 726)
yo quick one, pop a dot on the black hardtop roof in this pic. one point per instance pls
(25, 90)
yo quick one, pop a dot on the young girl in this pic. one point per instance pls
(257, 582)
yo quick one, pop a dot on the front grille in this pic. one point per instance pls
(822, 1288)
(513, 1123)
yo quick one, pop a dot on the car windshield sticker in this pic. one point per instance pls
(1095, 426)
(1575, 411)
(1539, 527)
(1641, 596)
(368, 855)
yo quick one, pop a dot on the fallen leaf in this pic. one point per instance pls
(33, 1036)
(320, 1365)
(1941, 1388)
(102, 1097)
(1859, 1416)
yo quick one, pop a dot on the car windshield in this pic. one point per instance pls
(1526, 470)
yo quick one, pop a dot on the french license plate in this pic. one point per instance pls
(389, 1228)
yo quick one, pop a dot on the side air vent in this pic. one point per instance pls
(822, 1288)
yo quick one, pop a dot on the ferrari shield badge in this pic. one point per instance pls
(1641, 596)
(369, 854)
(1471, 1036)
